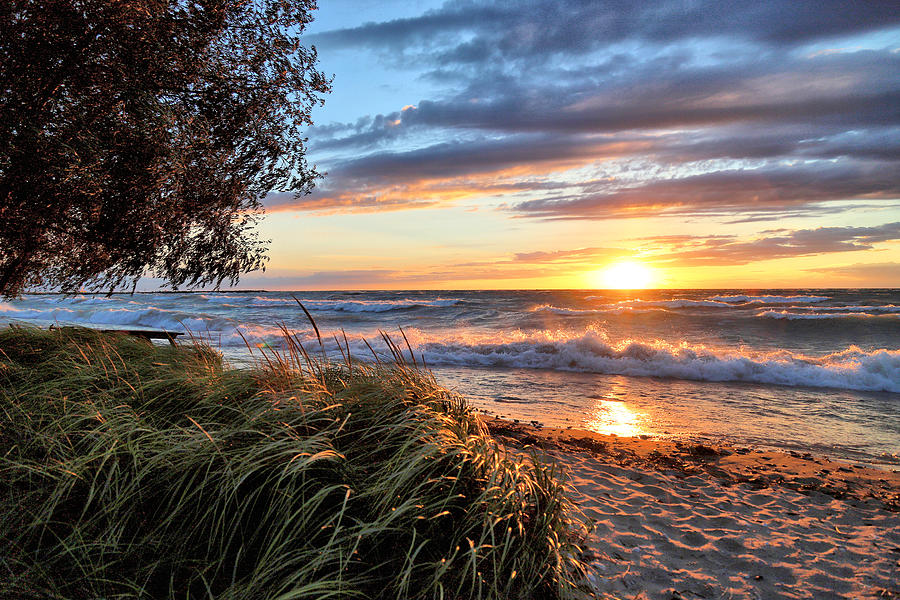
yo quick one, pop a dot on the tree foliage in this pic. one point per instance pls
(139, 136)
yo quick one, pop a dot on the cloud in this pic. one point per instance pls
(579, 255)
(886, 274)
(662, 251)
(834, 93)
(728, 250)
(767, 190)
(635, 108)
(354, 201)
(672, 250)
(428, 275)
(524, 29)
(451, 159)
(449, 172)
(859, 89)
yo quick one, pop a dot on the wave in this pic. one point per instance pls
(352, 306)
(592, 311)
(879, 309)
(634, 306)
(770, 299)
(377, 306)
(677, 303)
(216, 329)
(793, 316)
(724, 302)
(99, 300)
(148, 317)
(593, 352)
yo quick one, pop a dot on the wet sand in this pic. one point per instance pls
(681, 521)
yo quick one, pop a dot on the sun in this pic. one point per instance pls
(625, 275)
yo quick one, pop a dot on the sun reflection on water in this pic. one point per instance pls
(611, 414)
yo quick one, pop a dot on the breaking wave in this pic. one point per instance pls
(634, 306)
(592, 311)
(147, 317)
(812, 316)
(211, 315)
(677, 303)
(445, 341)
(350, 306)
(592, 352)
(881, 309)
(770, 299)
(723, 302)
(378, 306)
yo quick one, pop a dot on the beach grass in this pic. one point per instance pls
(142, 471)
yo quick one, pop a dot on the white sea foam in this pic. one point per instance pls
(880, 309)
(593, 352)
(101, 312)
(348, 306)
(770, 299)
(807, 316)
(377, 306)
(590, 351)
(149, 317)
(634, 306)
(612, 309)
(676, 303)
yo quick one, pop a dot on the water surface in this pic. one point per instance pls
(815, 370)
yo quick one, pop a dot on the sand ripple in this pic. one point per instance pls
(665, 535)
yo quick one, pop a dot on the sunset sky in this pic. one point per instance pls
(533, 144)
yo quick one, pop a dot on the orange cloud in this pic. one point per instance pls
(449, 173)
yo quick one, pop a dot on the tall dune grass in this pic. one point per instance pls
(129, 470)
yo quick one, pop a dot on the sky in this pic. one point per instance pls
(537, 143)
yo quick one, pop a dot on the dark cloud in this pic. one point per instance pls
(797, 172)
(727, 192)
(518, 29)
(650, 99)
(451, 159)
(442, 172)
(832, 92)
(714, 108)
(787, 141)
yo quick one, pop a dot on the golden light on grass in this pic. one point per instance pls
(624, 275)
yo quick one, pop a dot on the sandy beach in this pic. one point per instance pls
(681, 521)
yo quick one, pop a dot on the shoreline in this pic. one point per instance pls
(679, 521)
(803, 472)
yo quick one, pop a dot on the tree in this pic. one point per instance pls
(140, 136)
